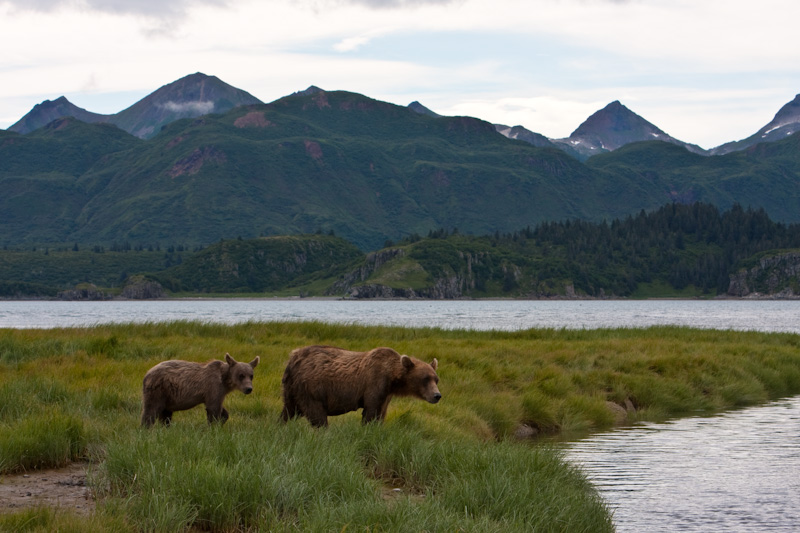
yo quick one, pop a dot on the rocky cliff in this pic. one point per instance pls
(352, 284)
(776, 276)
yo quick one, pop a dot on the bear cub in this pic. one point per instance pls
(323, 381)
(179, 385)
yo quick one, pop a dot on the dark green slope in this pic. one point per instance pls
(364, 169)
(762, 176)
(41, 197)
(338, 161)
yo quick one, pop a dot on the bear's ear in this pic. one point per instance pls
(434, 364)
(230, 360)
(407, 362)
(255, 361)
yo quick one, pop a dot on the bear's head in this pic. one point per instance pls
(421, 379)
(240, 375)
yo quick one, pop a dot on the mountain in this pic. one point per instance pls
(522, 134)
(198, 94)
(50, 110)
(365, 170)
(419, 108)
(785, 123)
(536, 139)
(331, 161)
(615, 126)
(189, 97)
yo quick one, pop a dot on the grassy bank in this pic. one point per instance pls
(75, 394)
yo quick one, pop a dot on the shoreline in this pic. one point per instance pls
(751, 297)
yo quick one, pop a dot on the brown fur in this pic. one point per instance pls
(179, 385)
(322, 381)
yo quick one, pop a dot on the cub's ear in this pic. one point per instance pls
(434, 363)
(255, 361)
(407, 362)
(230, 360)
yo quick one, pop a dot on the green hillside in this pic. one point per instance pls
(365, 169)
(340, 162)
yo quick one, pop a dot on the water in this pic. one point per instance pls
(770, 315)
(737, 472)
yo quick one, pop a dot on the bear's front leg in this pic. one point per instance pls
(374, 408)
(216, 414)
(165, 416)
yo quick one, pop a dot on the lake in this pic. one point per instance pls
(510, 315)
(737, 472)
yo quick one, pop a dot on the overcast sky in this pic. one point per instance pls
(704, 71)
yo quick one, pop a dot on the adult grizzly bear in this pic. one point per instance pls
(323, 381)
(179, 385)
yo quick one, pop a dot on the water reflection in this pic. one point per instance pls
(737, 472)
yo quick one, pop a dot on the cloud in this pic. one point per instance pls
(199, 107)
(351, 43)
(390, 4)
(146, 8)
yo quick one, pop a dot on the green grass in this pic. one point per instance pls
(261, 474)
(75, 395)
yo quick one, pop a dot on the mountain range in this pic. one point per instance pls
(166, 170)
(197, 94)
(189, 97)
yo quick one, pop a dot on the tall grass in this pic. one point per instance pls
(270, 476)
(75, 394)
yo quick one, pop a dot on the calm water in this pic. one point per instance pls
(473, 314)
(737, 472)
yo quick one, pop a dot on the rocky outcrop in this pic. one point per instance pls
(380, 291)
(447, 288)
(373, 262)
(140, 288)
(776, 276)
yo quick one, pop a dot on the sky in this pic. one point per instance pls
(704, 71)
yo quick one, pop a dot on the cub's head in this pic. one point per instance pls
(240, 375)
(421, 379)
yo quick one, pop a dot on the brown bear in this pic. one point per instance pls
(179, 385)
(322, 381)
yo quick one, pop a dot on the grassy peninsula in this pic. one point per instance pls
(70, 395)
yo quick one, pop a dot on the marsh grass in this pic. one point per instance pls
(47, 520)
(70, 394)
(273, 476)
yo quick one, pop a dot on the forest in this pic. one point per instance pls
(680, 249)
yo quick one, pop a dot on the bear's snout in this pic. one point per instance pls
(436, 398)
(247, 390)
